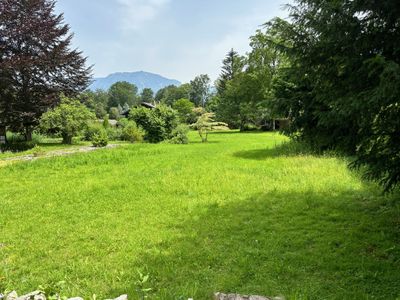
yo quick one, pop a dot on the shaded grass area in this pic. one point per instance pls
(243, 214)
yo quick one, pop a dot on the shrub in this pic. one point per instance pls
(92, 129)
(38, 151)
(100, 139)
(133, 133)
(114, 134)
(179, 135)
(158, 123)
(122, 122)
(68, 119)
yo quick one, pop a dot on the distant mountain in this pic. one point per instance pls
(140, 79)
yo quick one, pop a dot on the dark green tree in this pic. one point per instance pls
(232, 66)
(147, 95)
(36, 62)
(172, 93)
(123, 92)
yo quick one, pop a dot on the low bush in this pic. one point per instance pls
(100, 139)
(180, 135)
(133, 133)
(92, 129)
(114, 133)
(38, 151)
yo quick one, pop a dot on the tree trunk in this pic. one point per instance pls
(3, 134)
(28, 133)
(273, 125)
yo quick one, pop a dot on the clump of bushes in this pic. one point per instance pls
(100, 139)
(180, 135)
(132, 133)
(158, 123)
(97, 134)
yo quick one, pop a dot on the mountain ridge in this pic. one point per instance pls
(141, 79)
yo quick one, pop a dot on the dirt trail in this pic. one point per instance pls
(55, 153)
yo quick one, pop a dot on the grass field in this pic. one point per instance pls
(243, 213)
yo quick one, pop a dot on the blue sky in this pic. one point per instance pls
(178, 39)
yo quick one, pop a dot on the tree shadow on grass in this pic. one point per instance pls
(288, 149)
(338, 245)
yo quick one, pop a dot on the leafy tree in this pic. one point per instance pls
(68, 119)
(36, 62)
(172, 93)
(147, 95)
(342, 88)
(200, 90)
(206, 123)
(121, 93)
(243, 102)
(184, 107)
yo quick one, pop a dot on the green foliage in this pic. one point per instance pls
(38, 151)
(122, 93)
(92, 129)
(106, 122)
(245, 86)
(96, 101)
(141, 284)
(147, 95)
(132, 133)
(206, 124)
(342, 89)
(114, 113)
(172, 93)
(185, 107)
(179, 135)
(233, 65)
(243, 101)
(68, 119)
(114, 133)
(158, 123)
(100, 138)
(200, 90)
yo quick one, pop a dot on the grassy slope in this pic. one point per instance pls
(232, 215)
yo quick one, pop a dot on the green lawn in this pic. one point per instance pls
(239, 214)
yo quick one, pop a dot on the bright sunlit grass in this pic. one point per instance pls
(240, 214)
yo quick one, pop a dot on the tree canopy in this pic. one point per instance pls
(121, 93)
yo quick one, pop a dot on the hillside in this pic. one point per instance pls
(140, 79)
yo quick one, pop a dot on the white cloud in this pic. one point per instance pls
(135, 13)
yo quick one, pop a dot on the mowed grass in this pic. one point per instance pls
(243, 213)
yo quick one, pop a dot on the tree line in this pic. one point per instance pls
(333, 70)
